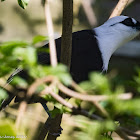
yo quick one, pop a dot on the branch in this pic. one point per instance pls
(71, 93)
(21, 111)
(90, 98)
(66, 42)
(58, 98)
(77, 87)
(39, 82)
(119, 8)
(75, 111)
(89, 11)
(53, 58)
(130, 133)
(122, 134)
(48, 18)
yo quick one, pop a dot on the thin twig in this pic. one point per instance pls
(101, 109)
(58, 98)
(38, 82)
(27, 114)
(71, 93)
(90, 98)
(122, 134)
(48, 18)
(8, 87)
(77, 87)
(53, 58)
(130, 133)
(21, 112)
(119, 8)
(89, 11)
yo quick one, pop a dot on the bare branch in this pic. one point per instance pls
(119, 8)
(130, 133)
(101, 109)
(58, 98)
(38, 82)
(89, 12)
(122, 134)
(90, 98)
(77, 87)
(21, 111)
(48, 18)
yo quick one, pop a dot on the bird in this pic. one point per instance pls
(92, 48)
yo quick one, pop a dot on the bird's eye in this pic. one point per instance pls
(128, 22)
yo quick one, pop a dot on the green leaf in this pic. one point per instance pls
(87, 86)
(128, 107)
(100, 82)
(65, 78)
(23, 3)
(27, 55)
(8, 130)
(7, 48)
(3, 94)
(93, 130)
(2, 0)
(20, 82)
(38, 71)
(54, 112)
(31, 55)
(38, 39)
(61, 72)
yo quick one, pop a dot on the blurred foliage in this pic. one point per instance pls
(100, 84)
(136, 82)
(9, 131)
(23, 55)
(3, 94)
(93, 130)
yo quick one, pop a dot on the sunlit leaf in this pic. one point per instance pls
(7, 47)
(38, 39)
(27, 55)
(20, 82)
(7, 128)
(93, 130)
(23, 3)
(3, 94)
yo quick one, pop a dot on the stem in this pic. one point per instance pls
(119, 8)
(66, 45)
(48, 18)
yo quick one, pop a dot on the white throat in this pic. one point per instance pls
(108, 41)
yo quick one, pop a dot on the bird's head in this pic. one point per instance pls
(123, 27)
(114, 33)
